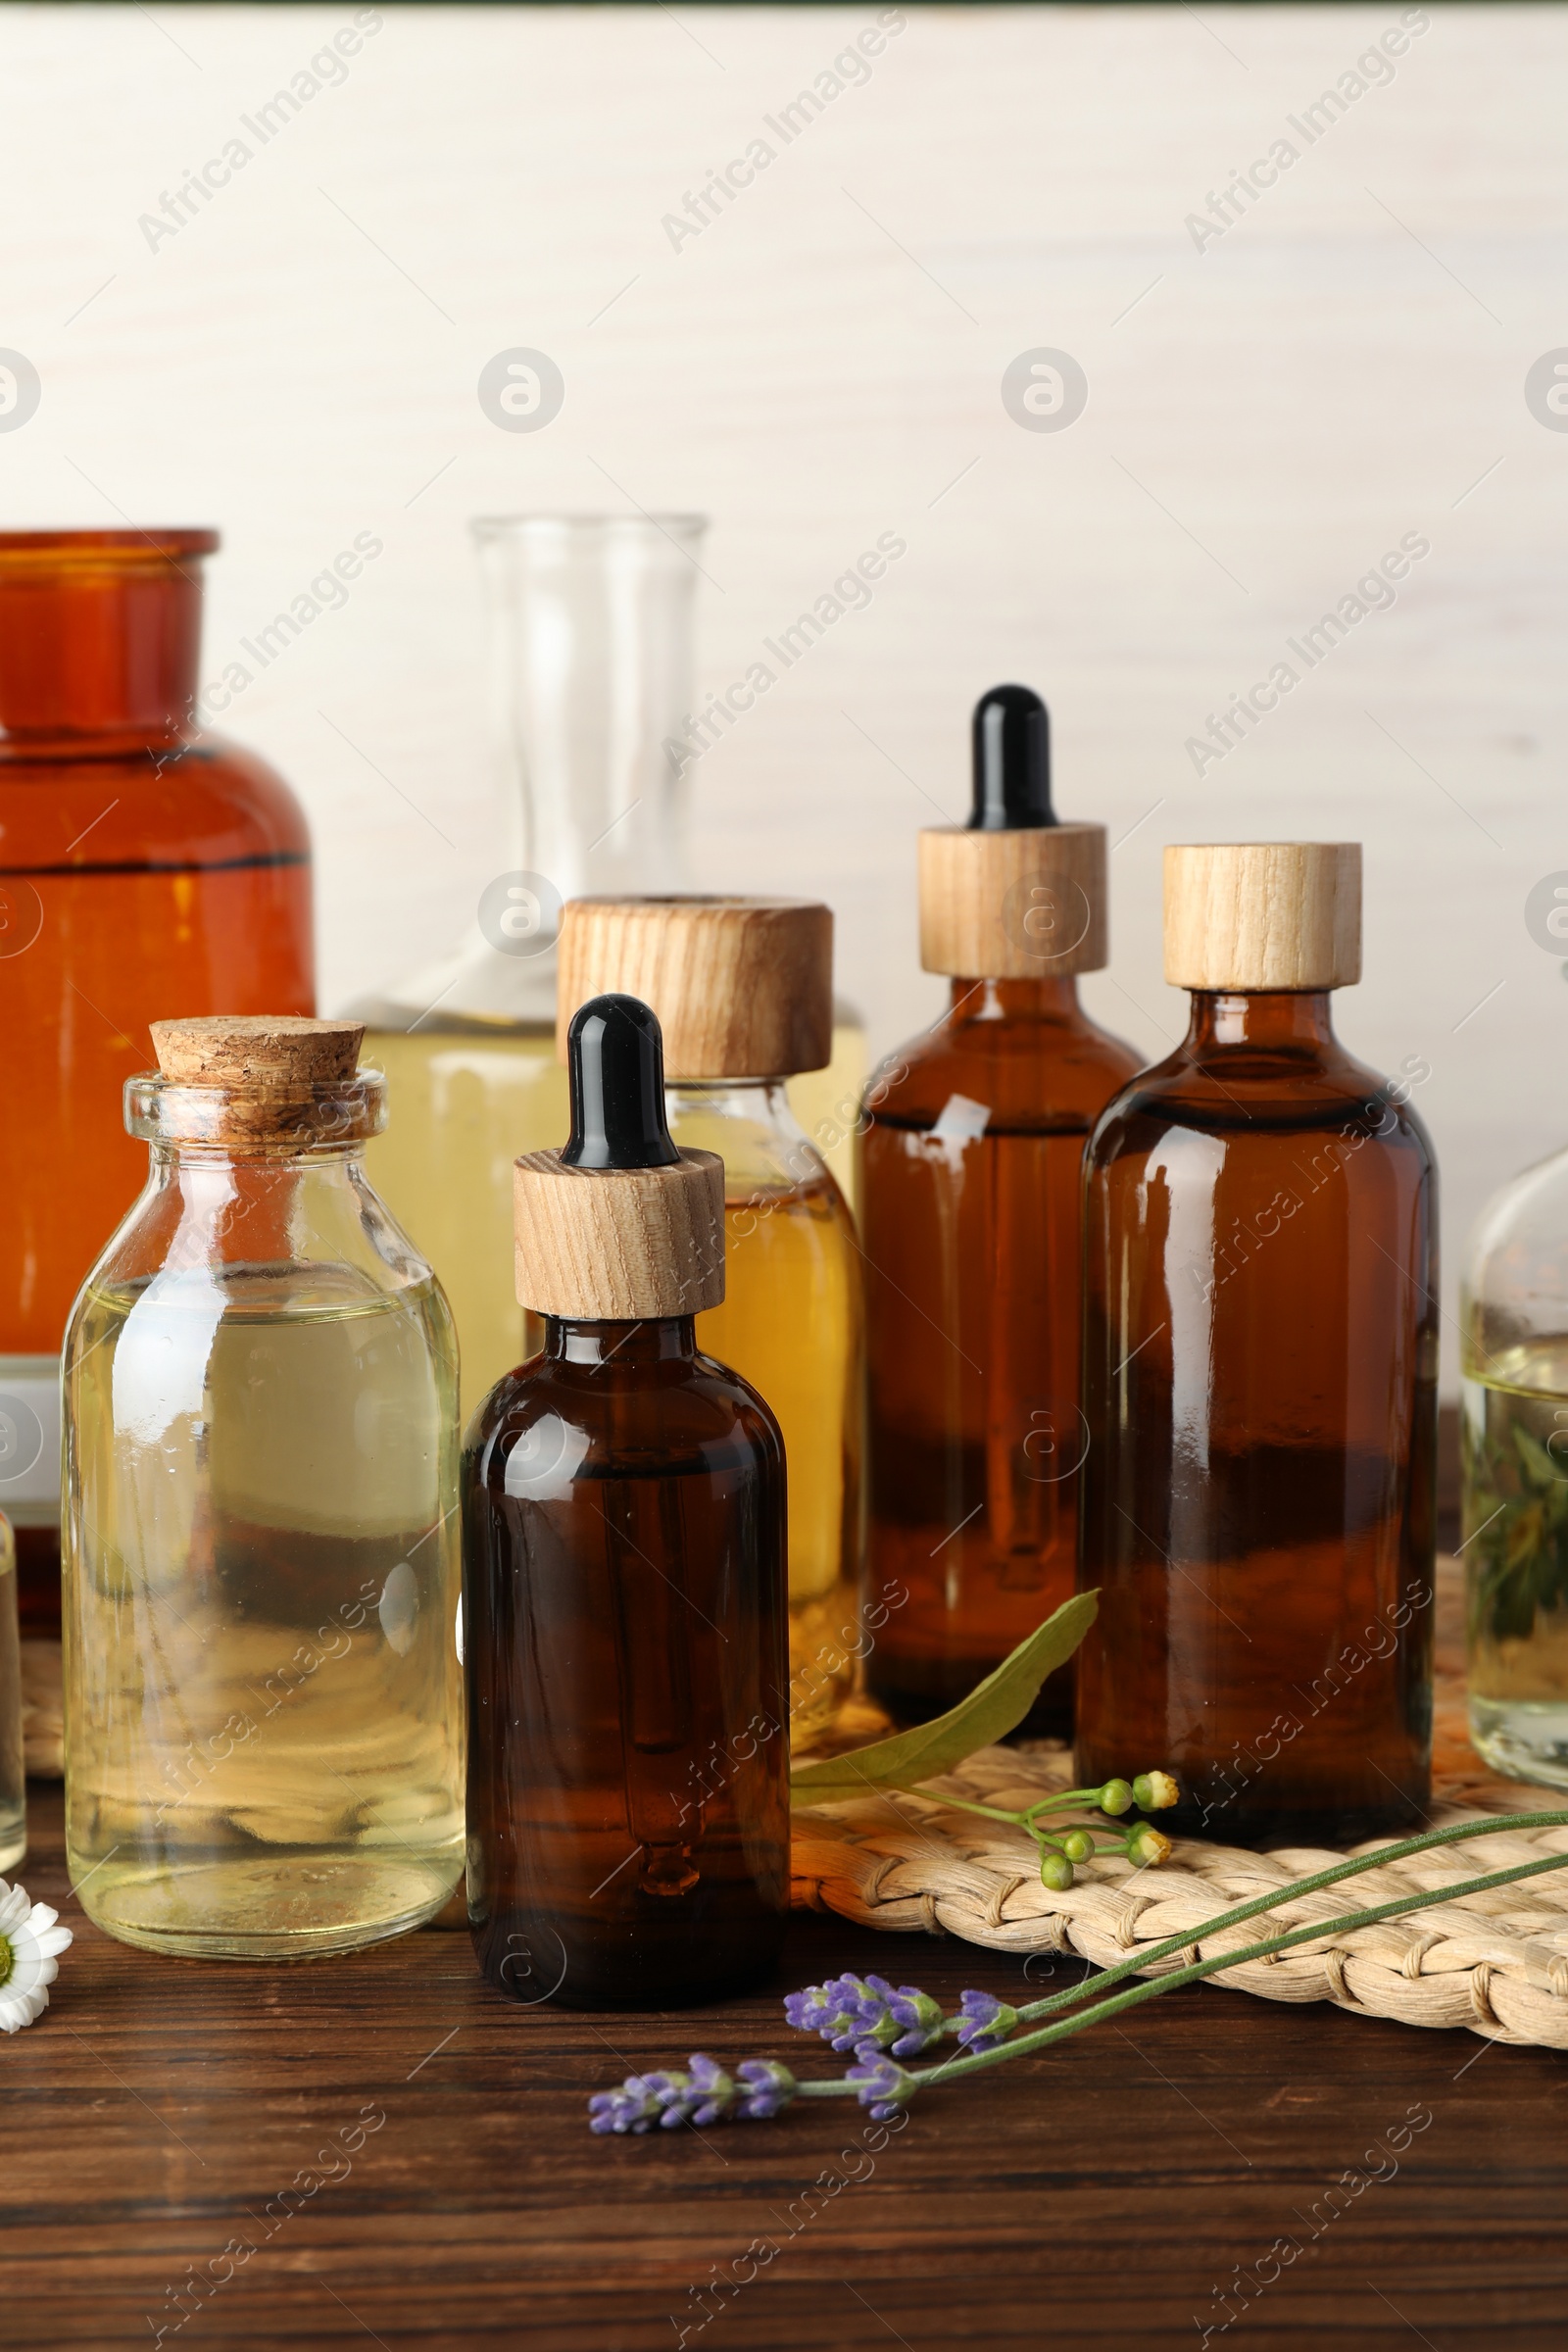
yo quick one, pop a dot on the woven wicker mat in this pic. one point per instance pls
(1495, 1963)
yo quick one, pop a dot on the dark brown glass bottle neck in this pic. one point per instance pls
(660, 1340)
(1293, 1020)
(100, 638)
(1015, 1000)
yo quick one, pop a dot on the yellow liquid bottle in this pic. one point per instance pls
(792, 1324)
(826, 1104)
(264, 1723)
(470, 1097)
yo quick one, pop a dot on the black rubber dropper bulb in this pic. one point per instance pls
(1011, 761)
(615, 1065)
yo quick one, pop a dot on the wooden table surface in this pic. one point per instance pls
(447, 2191)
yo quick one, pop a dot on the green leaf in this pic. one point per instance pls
(1543, 1471)
(992, 1708)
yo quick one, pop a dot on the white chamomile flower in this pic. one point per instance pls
(30, 1940)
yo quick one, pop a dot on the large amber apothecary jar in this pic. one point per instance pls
(143, 865)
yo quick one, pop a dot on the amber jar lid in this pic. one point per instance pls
(100, 633)
(1263, 915)
(256, 1083)
(742, 988)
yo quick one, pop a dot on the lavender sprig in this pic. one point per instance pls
(986, 2027)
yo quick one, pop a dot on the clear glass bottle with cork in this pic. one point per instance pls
(743, 990)
(263, 1729)
(624, 1580)
(973, 1152)
(1260, 1360)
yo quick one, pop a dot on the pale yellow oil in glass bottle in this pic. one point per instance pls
(791, 1324)
(263, 1718)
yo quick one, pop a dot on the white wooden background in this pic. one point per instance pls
(823, 363)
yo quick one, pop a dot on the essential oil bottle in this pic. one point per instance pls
(743, 989)
(1261, 1361)
(973, 1153)
(264, 1722)
(624, 1580)
(1513, 1436)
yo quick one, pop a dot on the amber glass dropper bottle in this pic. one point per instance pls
(624, 1580)
(973, 1154)
(1260, 1380)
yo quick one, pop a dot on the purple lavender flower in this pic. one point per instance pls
(765, 2088)
(848, 2010)
(632, 2108)
(701, 2096)
(985, 2023)
(908, 2014)
(881, 2082)
(842, 2011)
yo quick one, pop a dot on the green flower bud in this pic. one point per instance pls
(1147, 1846)
(1153, 1791)
(1116, 1796)
(1077, 1845)
(1055, 1871)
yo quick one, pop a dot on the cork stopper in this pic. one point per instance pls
(618, 1226)
(1015, 894)
(1266, 915)
(262, 1082)
(227, 1049)
(742, 988)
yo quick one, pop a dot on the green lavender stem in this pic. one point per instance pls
(1094, 1988)
(1455, 1834)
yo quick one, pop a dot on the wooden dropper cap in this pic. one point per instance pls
(1264, 915)
(619, 1227)
(742, 988)
(1015, 894)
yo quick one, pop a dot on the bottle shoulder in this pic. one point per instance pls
(1027, 1073)
(1238, 1093)
(1516, 1255)
(548, 1423)
(224, 1239)
(203, 803)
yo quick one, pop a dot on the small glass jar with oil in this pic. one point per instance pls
(264, 1741)
(1513, 1435)
(744, 991)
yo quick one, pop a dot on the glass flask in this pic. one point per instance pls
(1260, 1358)
(973, 1154)
(590, 621)
(142, 865)
(13, 1772)
(624, 1582)
(1514, 1475)
(264, 1752)
(743, 990)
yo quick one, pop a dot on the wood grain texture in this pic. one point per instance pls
(1025, 906)
(614, 1244)
(1264, 914)
(743, 986)
(1093, 2198)
(160, 2110)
